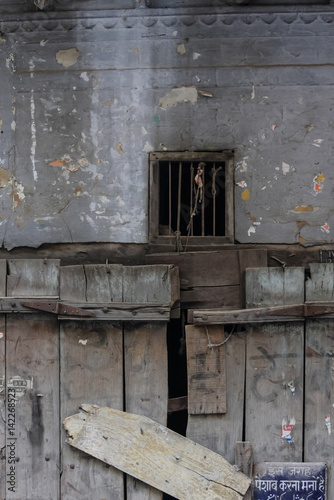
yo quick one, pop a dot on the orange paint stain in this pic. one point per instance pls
(245, 194)
(57, 163)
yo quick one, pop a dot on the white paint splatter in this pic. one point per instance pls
(242, 184)
(10, 62)
(84, 76)
(1, 335)
(68, 57)
(285, 168)
(317, 143)
(13, 125)
(43, 42)
(242, 165)
(120, 200)
(178, 95)
(174, 33)
(83, 342)
(33, 135)
(196, 55)
(144, 131)
(251, 230)
(253, 92)
(148, 147)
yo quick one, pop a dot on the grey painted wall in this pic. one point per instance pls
(81, 106)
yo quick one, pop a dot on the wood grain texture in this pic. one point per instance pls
(224, 297)
(32, 357)
(145, 357)
(220, 432)
(319, 374)
(244, 461)
(275, 359)
(32, 354)
(27, 278)
(206, 370)
(91, 369)
(250, 259)
(3, 279)
(152, 453)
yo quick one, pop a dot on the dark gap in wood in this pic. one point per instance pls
(244, 437)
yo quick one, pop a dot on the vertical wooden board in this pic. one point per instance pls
(32, 377)
(250, 259)
(319, 374)
(206, 370)
(274, 286)
(33, 277)
(219, 433)
(319, 396)
(2, 408)
(145, 357)
(91, 371)
(275, 361)
(3, 274)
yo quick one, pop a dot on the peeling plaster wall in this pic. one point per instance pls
(85, 97)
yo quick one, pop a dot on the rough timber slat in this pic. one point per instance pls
(154, 454)
(319, 374)
(206, 370)
(91, 369)
(275, 359)
(145, 357)
(32, 355)
(220, 432)
(3, 275)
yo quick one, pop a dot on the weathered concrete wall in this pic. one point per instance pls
(83, 100)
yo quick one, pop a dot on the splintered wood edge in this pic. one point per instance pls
(234, 483)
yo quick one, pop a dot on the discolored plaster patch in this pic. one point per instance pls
(304, 208)
(4, 178)
(68, 57)
(178, 95)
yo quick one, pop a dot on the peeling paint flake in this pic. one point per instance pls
(83, 342)
(304, 208)
(181, 49)
(148, 147)
(196, 55)
(318, 183)
(4, 178)
(205, 93)
(285, 168)
(325, 228)
(317, 143)
(242, 184)
(178, 95)
(119, 148)
(84, 76)
(68, 57)
(245, 194)
(253, 93)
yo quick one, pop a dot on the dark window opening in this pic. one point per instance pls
(192, 198)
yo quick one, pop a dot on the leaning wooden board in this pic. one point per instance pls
(151, 452)
(32, 376)
(319, 374)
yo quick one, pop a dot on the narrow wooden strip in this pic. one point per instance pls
(152, 453)
(191, 195)
(3, 485)
(33, 277)
(206, 370)
(220, 432)
(250, 259)
(3, 277)
(179, 197)
(203, 204)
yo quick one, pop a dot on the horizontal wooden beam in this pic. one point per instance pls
(272, 314)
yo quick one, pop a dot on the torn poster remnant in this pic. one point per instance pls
(325, 228)
(318, 183)
(287, 429)
(328, 424)
(291, 385)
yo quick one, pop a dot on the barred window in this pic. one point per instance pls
(191, 198)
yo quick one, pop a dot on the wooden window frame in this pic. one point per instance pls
(154, 159)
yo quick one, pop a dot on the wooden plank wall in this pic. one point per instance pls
(91, 372)
(32, 357)
(3, 276)
(319, 375)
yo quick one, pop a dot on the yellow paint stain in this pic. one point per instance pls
(119, 148)
(320, 178)
(136, 50)
(107, 103)
(100, 160)
(301, 239)
(57, 163)
(304, 208)
(245, 194)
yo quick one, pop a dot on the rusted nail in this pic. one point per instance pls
(258, 314)
(134, 313)
(47, 458)
(17, 459)
(236, 315)
(13, 304)
(105, 309)
(205, 318)
(72, 466)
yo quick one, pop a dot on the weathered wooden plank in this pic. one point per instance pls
(244, 461)
(32, 361)
(91, 369)
(203, 268)
(227, 297)
(206, 370)
(250, 259)
(319, 374)
(145, 357)
(2, 409)
(32, 375)
(275, 367)
(220, 432)
(152, 453)
(33, 277)
(3, 279)
(274, 286)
